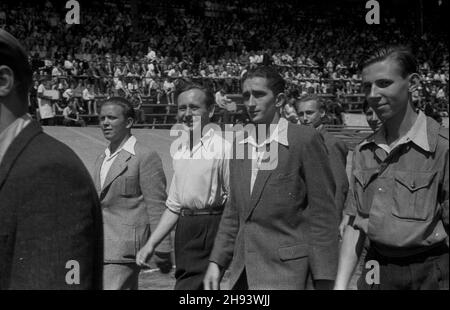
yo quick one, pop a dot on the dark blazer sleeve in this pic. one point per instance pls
(338, 152)
(341, 151)
(321, 212)
(58, 240)
(223, 248)
(153, 186)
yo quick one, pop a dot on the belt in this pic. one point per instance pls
(413, 256)
(194, 212)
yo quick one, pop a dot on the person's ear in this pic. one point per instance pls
(322, 113)
(211, 111)
(130, 122)
(280, 100)
(6, 80)
(414, 82)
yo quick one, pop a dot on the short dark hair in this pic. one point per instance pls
(402, 55)
(309, 97)
(128, 110)
(14, 55)
(186, 86)
(275, 81)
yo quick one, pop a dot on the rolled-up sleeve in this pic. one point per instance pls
(173, 202)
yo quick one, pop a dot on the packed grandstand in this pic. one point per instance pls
(143, 49)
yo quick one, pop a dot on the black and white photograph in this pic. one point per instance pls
(233, 145)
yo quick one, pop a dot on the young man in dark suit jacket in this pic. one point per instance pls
(50, 218)
(279, 229)
(311, 110)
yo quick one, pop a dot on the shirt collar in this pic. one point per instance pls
(418, 134)
(8, 135)
(279, 134)
(127, 146)
(204, 142)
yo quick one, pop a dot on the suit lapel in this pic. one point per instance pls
(260, 182)
(119, 165)
(98, 166)
(262, 177)
(16, 147)
(245, 167)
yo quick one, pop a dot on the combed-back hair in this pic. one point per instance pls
(275, 81)
(14, 56)
(315, 97)
(401, 54)
(128, 110)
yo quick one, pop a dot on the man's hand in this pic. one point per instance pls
(212, 277)
(143, 255)
(163, 261)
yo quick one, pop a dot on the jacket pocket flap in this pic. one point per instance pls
(414, 180)
(293, 252)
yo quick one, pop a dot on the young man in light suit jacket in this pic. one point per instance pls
(131, 184)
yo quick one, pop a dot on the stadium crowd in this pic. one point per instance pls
(214, 42)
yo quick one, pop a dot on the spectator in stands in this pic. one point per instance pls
(33, 106)
(136, 101)
(88, 97)
(72, 116)
(169, 89)
(46, 114)
(316, 53)
(289, 113)
(222, 102)
(68, 94)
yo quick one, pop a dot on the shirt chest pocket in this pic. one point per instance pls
(415, 195)
(364, 178)
(130, 187)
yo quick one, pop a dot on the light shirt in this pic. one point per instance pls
(278, 135)
(399, 197)
(221, 100)
(109, 158)
(417, 134)
(200, 182)
(45, 106)
(8, 135)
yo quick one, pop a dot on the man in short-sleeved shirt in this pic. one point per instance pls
(399, 196)
(198, 191)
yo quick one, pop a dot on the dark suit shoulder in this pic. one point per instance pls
(46, 150)
(301, 133)
(332, 142)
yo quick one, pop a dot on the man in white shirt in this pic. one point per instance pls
(44, 103)
(198, 191)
